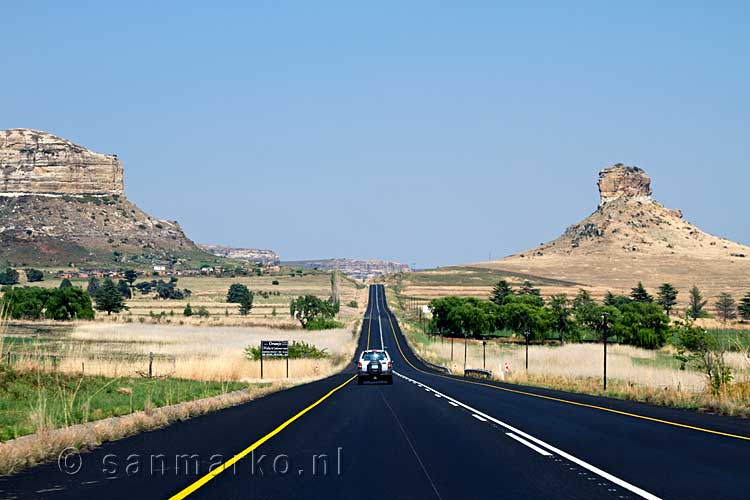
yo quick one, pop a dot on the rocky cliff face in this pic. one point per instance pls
(621, 181)
(261, 256)
(34, 162)
(61, 204)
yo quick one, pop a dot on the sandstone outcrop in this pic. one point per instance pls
(34, 162)
(621, 181)
(61, 204)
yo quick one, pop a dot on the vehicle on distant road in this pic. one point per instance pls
(374, 364)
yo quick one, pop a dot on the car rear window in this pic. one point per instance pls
(374, 356)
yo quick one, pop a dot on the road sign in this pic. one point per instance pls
(274, 348)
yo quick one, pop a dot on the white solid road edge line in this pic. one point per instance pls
(530, 445)
(609, 477)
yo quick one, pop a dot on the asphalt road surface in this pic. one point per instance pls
(426, 436)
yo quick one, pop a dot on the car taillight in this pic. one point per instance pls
(359, 365)
(389, 365)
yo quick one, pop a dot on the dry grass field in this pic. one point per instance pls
(189, 352)
(210, 292)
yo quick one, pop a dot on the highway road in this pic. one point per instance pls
(426, 436)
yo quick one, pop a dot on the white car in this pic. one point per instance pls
(374, 364)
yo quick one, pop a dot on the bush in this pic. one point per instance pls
(34, 275)
(275, 282)
(321, 323)
(9, 277)
(353, 303)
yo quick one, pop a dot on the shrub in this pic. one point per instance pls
(9, 277)
(275, 282)
(321, 323)
(34, 275)
(353, 303)
(297, 350)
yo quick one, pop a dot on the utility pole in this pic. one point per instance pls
(465, 349)
(527, 334)
(484, 354)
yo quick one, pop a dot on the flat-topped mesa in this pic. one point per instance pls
(621, 181)
(34, 162)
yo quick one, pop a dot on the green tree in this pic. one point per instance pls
(667, 297)
(108, 298)
(246, 305)
(124, 289)
(696, 304)
(602, 320)
(238, 293)
(93, 285)
(527, 288)
(639, 294)
(68, 304)
(726, 307)
(130, 276)
(744, 307)
(609, 299)
(34, 275)
(307, 308)
(188, 311)
(643, 325)
(560, 312)
(525, 319)
(500, 291)
(583, 307)
(9, 276)
(65, 283)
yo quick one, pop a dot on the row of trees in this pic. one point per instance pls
(46, 303)
(635, 319)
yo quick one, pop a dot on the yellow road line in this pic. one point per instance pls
(560, 400)
(239, 456)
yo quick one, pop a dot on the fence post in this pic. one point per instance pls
(150, 364)
(7, 357)
(261, 362)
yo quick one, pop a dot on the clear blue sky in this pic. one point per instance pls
(427, 132)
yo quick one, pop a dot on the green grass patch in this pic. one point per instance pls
(31, 401)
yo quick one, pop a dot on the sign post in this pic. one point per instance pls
(274, 349)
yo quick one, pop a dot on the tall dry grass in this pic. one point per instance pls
(626, 363)
(198, 353)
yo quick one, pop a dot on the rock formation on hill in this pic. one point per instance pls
(632, 237)
(62, 204)
(256, 255)
(35, 162)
